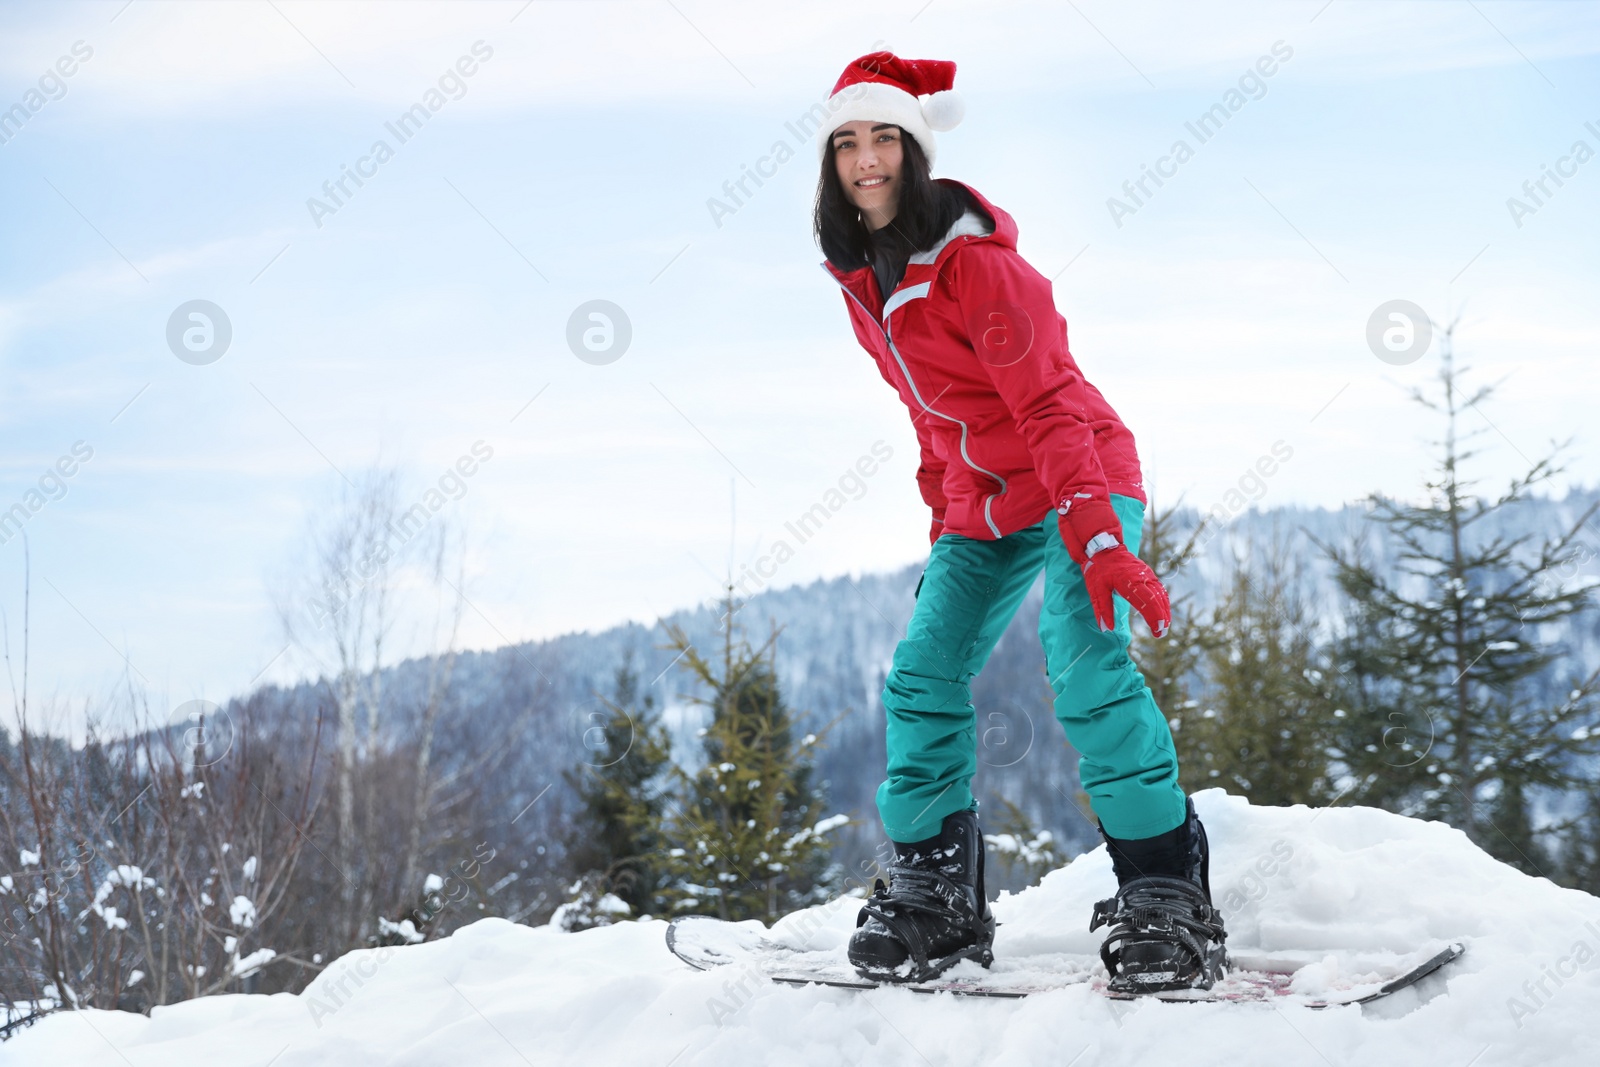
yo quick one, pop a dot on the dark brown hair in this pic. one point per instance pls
(927, 209)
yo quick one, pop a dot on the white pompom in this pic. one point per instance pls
(944, 111)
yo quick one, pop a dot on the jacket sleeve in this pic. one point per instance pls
(1020, 340)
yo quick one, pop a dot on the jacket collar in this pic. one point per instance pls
(967, 228)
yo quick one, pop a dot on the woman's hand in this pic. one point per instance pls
(1116, 570)
(1093, 536)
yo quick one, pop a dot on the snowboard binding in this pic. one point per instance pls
(1165, 934)
(933, 913)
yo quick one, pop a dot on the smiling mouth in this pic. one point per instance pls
(871, 183)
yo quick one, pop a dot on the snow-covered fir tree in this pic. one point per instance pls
(616, 836)
(1262, 729)
(1450, 656)
(748, 839)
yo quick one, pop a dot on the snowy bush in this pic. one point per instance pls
(589, 903)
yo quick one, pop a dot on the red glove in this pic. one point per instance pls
(1118, 570)
(1093, 536)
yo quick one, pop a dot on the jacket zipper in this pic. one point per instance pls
(988, 516)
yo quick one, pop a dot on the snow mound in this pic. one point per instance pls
(1324, 893)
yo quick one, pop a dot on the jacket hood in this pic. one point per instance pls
(1005, 227)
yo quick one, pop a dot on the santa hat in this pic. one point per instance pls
(883, 87)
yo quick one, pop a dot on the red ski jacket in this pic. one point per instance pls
(974, 345)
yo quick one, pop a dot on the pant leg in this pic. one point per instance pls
(969, 593)
(1128, 766)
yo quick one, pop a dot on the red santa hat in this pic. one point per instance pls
(883, 87)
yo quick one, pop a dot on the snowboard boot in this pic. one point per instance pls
(1165, 934)
(932, 914)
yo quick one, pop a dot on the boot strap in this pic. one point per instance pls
(1157, 909)
(914, 890)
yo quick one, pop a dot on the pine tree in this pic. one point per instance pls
(1377, 748)
(617, 838)
(1267, 713)
(1516, 840)
(748, 840)
(1450, 651)
(1579, 848)
(1171, 664)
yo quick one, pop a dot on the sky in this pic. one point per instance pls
(436, 310)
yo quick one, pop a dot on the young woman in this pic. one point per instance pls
(1025, 466)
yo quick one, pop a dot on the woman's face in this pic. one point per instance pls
(867, 156)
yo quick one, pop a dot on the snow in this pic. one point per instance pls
(242, 911)
(126, 875)
(831, 823)
(1033, 851)
(123, 875)
(405, 929)
(252, 963)
(610, 906)
(1335, 892)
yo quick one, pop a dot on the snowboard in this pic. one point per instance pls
(707, 943)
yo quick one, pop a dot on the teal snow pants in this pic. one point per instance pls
(968, 594)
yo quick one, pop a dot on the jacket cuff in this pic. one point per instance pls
(1086, 522)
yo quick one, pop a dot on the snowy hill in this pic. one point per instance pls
(1298, 885)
